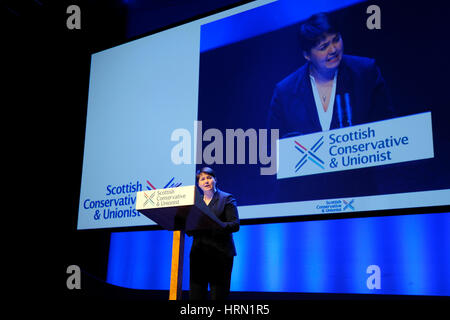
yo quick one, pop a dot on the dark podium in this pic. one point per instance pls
(177, 209)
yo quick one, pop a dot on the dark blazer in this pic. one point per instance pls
(293, 108)
(223, 205)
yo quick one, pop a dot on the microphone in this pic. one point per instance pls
(339, 110)
(348, 109)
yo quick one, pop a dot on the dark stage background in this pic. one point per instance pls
(47, 67)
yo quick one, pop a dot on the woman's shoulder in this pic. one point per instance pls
(291, 81)
(358, 63)
(225, 195)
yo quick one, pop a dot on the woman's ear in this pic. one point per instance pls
(306, 55)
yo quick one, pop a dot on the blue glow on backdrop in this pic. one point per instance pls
(264, 19)
(412, 251)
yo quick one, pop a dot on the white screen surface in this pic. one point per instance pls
(139, 94)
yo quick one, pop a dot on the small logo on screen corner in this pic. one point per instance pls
(348, 205)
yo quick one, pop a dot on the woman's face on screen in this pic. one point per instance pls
(327, 54)
(206, 182)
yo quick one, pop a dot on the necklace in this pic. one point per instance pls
(325, 88)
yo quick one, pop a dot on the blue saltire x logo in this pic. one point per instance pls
(349, 204)
(309, 154)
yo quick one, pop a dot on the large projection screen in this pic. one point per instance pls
(201, 93)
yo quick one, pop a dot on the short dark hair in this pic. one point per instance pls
(313, 30)
(206, 170)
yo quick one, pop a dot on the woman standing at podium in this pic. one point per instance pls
(213, 251)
